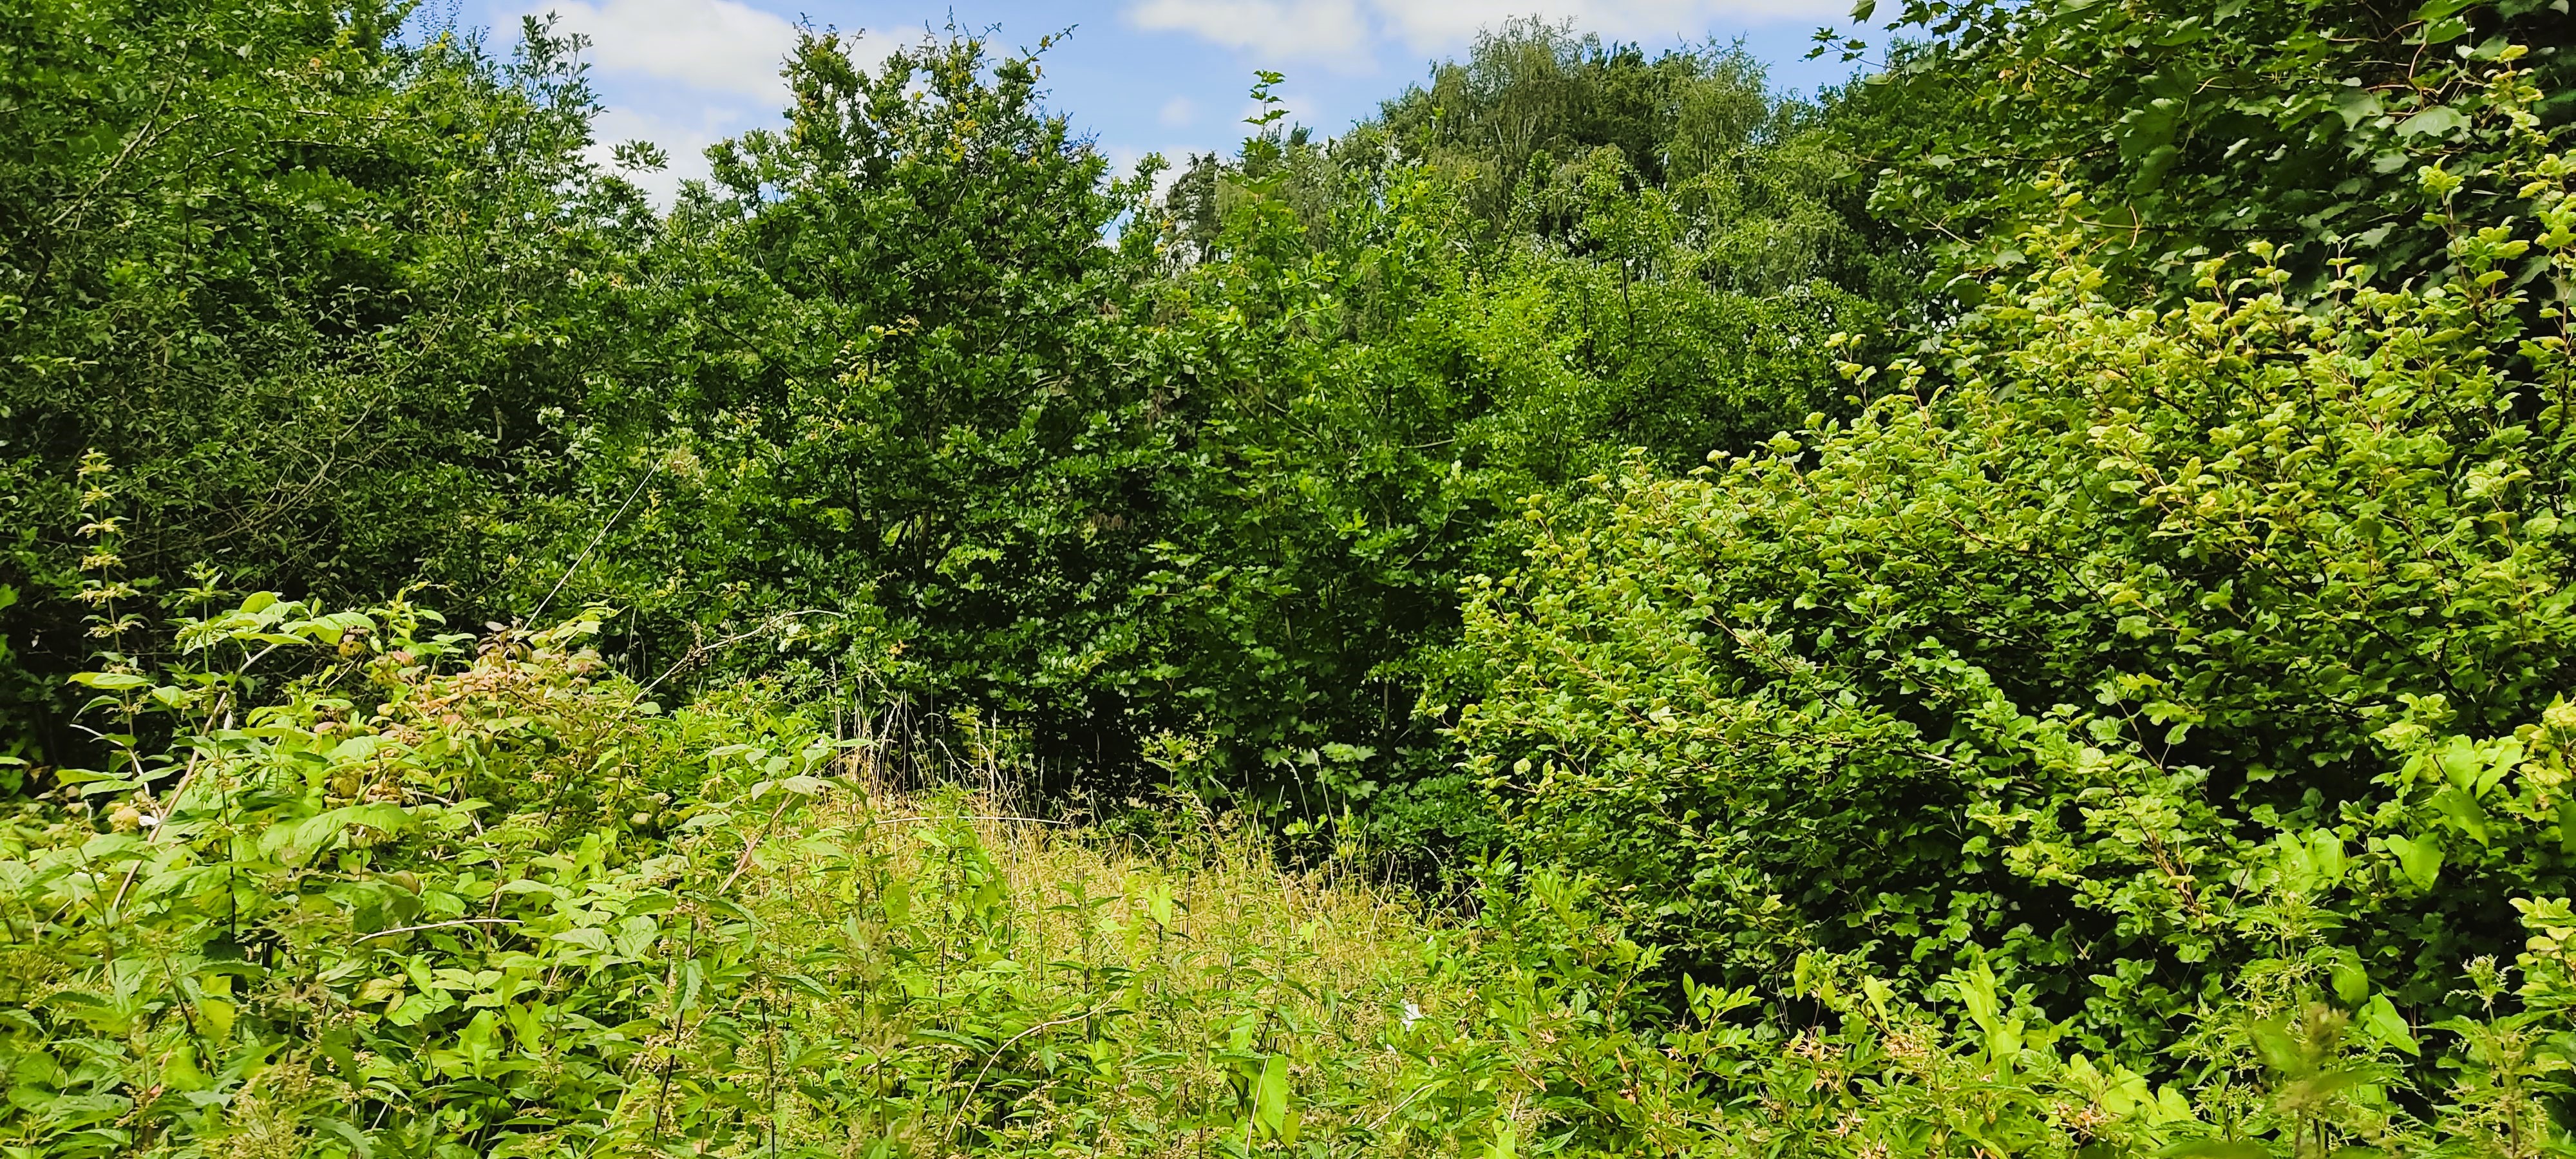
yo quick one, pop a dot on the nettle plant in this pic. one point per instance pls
(417, 899)
(2160, 660)
(352, 886)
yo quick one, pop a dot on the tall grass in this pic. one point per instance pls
(1033, 987)
(441, 897)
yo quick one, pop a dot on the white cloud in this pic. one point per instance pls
(682, 74)
(686, 143)
(1326, 30)
(1343, 31)
(1429, 24)
(717, 45)
(641, 103)
(1178, 112)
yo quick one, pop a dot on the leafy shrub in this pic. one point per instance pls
(2157, 644)
(898, 408)
(2201, 126)
(449, 897)
(878, 391)
(456, 897)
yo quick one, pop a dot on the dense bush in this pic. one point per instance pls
(894, 404)
(446, 897)
(2159, 643)
(878, 392)
(309, 282)
(455, 897)
(2199, 128)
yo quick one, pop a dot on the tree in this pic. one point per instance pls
(306, 285)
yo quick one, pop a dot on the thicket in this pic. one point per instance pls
(2080, 660)
(2016, 606)
(449, 896)
(1223, 491)
(304, 281)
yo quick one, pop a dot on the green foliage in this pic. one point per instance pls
(2167, 646)
(449, 897)
(2199, 128)
(1386, 407)
(2132, 724)
(875, 381)
(307, 282)
(898, 409)
(878, 396)
(1532, 112)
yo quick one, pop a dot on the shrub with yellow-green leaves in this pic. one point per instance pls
(2143, 656)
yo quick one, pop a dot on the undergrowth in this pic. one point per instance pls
(443, 896)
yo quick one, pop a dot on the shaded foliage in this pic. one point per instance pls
(309, 284)
(897, 405)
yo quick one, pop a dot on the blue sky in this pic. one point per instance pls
(1139, 75)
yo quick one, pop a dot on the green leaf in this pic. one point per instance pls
(2356, 105)
(2433, 10)
(1270, 1096)
(586, 937)
(2351, 981)
(2441, 119)
(2420, 858)
(110, 681)
(2445, 30)
(2152, 169)
(2383, 1022)
(293, 844)
(2327, 849)
(2462, 810)
(1977, 990)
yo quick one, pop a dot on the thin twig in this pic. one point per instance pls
(594, 540)
(1408, 1101)
(969, 817)
(964, 1099)
(440, 926)
(702, 650)
(751, 845)
(143, 135)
